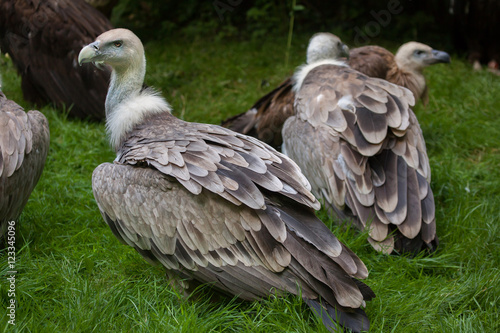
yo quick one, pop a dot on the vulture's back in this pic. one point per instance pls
(44, 39)
(360, 145)
(24, 144)
(372, 60)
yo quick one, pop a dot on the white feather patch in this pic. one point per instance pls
(301, 72)
(346, 102)
(131, 112)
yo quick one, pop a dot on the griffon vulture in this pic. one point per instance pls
(212, 205)
(404, 69)
(265, 119)
(43, 39)
(24, 143)
(361, 147)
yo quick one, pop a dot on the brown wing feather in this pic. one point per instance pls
(266, 117)
(43, 39)
(370, 163)
(416, 84)
(24, 144)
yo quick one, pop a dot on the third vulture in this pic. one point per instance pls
(404, 69)
(265, 118)
(360, 145)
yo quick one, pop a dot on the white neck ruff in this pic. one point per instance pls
(132, 112)
(301, 72)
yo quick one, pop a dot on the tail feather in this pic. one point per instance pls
(404, 245)
(334, 320)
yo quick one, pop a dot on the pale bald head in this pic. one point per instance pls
(127, 103)
(119, 48)
(325, 45)
(414, 56)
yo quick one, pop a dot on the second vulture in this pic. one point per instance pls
(265, 118)
(215, 206)
(361, 147)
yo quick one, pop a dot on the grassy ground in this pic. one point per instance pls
(74, 276)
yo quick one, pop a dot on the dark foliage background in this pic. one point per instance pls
(357, 21)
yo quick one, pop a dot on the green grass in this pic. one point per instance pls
(74, 276)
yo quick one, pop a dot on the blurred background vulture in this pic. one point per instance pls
(43, 39)
(212, 205)
(404, 69)
(361, 147)
(24, 144)
(265, 118)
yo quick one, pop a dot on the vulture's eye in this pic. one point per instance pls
(117, 43)
(419, 53)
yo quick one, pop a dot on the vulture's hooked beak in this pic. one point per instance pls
(89, 54)
(439, 56)
(345, 51)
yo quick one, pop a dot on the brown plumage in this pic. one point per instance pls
(24, 143)
(212, 205)
(43, 39)
(265, 119)
(360, 145)
(404, 69)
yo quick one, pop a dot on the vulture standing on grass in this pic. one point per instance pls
(361, 147)
(404, 69)
(212, 205)
(24, 143)
(265, 119)
(43, 39)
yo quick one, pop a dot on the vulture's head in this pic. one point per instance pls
(416, 56)
(119, 48)
(325, 45)
(126, 102)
